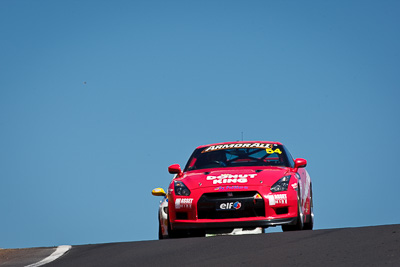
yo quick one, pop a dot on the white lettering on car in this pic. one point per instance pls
(231, 178)
(230, 206)
(183, 203)
(239, 145)
(277, 199)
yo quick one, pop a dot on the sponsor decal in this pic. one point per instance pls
(271, 151)
(240, 145)
(183, 203)
(230, 178)
(230, 206)
(294, 186)
(237, 205)
(277, 199)
(233, 187)
(257, 196)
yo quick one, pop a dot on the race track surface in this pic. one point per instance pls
(365, 246)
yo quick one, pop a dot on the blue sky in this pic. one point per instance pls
(98, 98)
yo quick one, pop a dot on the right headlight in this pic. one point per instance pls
(181, 189)
(281, 185)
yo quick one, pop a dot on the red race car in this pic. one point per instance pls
(236, 185)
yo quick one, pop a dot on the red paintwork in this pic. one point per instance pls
(175, 169)
(201, 181)
(300, 163)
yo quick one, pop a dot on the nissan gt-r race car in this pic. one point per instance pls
(236, 186)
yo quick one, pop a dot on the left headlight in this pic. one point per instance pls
(181, 189)
(281, 185)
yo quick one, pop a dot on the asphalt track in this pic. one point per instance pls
(364, 246)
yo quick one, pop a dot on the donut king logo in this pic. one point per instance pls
(231, 178)
(240, 145)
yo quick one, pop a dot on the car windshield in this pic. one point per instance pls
(237, 155)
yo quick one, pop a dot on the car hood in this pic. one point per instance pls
(266, 176)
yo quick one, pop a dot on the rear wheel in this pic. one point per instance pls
(310, 222)
(300, 217)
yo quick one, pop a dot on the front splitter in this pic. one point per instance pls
(232, 224)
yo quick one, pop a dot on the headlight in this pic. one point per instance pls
(281, 185)
(181, 189)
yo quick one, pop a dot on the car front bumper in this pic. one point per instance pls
(200, 224)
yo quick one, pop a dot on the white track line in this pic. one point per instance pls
(55, 255)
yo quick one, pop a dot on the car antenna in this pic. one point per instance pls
(242, 136)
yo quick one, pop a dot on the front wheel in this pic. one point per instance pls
(171, 233)
(185, 233)
(160, 236)
(300, 218)
(175, 233)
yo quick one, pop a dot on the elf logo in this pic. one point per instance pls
(230, 206)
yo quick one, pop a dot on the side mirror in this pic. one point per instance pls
(175, 169)
(159, 192)
(300, 163)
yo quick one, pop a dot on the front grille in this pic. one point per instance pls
(218, 195)
(216, 205)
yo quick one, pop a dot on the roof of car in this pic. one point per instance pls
(239, 142)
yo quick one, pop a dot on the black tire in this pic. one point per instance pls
(160, 236)
(197, 233)
(185, 233)
(300, 217)
(309, 225)
(171, 233)
(175, 233)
